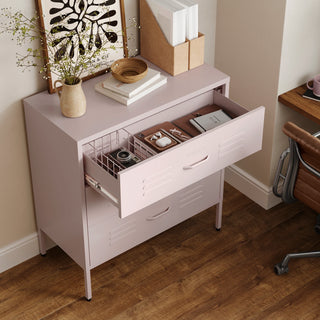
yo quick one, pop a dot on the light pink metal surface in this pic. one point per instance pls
(104, 114)
(109, 235)
(57, 180)
(78, 219)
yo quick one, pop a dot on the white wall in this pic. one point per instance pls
(300, 61)
(18, 240)
(301, 46)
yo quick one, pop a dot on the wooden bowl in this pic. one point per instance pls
(129, 70)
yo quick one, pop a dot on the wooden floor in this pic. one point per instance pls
(188, 272)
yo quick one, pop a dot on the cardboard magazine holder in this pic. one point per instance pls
(155, 47)
(196, 51)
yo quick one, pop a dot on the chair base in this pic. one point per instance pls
(282, 267)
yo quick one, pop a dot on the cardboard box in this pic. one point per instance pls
(196, 51)
(155, 47)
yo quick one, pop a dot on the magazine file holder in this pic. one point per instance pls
(155, 47)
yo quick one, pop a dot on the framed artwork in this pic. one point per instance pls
(90, 24)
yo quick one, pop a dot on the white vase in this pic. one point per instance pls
(72, 99)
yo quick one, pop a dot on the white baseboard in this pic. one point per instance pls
(20, 251)
(251, 187)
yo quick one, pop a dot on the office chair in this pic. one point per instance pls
(301, 180)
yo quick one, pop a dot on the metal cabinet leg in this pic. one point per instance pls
(218, 216)
(219, 205)
(87, 283)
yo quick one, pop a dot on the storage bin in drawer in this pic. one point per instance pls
(163, 174)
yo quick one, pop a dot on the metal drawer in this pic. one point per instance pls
(109, 235)
(163, 174)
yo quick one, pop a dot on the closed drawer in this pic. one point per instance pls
(109, 235)
(174, 169)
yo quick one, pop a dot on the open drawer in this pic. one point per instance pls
(163, 174)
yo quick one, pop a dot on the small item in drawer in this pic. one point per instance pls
(160, 140)
(184, 122)
(210, 120)
(180, 134)
(124, 157)
(163, 142)
(165, 129)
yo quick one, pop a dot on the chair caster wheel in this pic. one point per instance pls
(218, 229)
(88, 299)
(280, 269)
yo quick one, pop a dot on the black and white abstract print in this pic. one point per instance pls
(69, 19)
(77, 27)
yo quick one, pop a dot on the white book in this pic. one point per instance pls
(130, 89)
(125, 100)
(210, 120)
(171, 18)
(192, 19)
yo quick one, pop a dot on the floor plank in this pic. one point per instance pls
(188, 272)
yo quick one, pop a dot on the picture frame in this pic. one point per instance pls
(74, 14)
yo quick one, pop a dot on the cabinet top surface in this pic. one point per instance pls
(104, 114)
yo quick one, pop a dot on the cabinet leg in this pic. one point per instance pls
(219, 205)
(87, 284)
(218, 216)
(42, 242)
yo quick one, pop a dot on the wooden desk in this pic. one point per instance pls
(293, 99)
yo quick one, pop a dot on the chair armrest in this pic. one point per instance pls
(305, 164)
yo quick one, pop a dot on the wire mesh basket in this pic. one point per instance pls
(117, 151)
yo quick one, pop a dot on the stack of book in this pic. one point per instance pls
(127, 93)
(178, 19)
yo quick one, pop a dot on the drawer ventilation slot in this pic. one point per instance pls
(122, 232)
(190, 196)
(157, 181)
(231, 145)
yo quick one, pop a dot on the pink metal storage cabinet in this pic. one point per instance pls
(92, 226)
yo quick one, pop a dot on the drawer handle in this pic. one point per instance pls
(198, 163)
(158, 215)
(96, 185)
